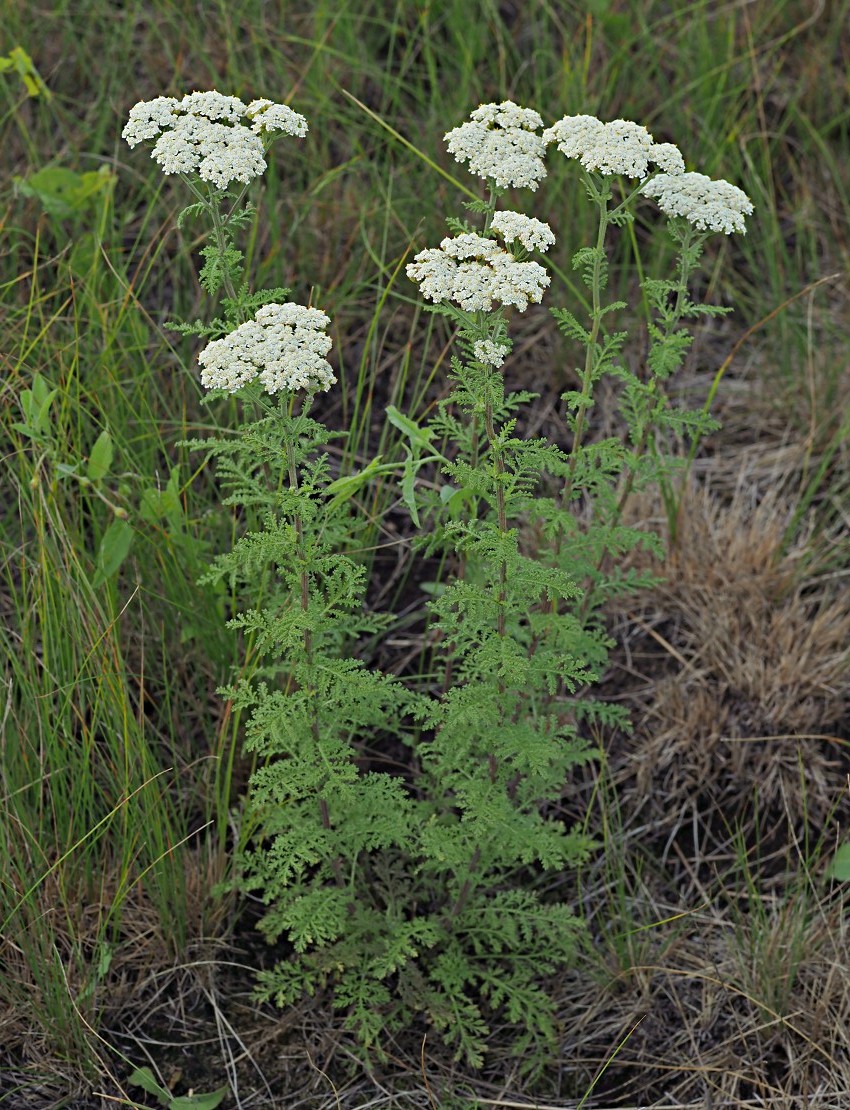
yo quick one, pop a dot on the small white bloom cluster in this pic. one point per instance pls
(500, 143)
(284, 346)
(532, 234)
(473, 272)
(490, 353)
(202, 134)
(709, 205)
(620, 147)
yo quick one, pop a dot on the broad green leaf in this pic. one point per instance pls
(839, 869)
(40, 417)
(408, 485)
(35, 404)
(18, 60)
(68, 470)
(199, 1102)
(100, 458)
(41, 389)
(164, 504)
(144, 1077)
(114, 549)
(63, 192)
(421, 437)
(345, 487)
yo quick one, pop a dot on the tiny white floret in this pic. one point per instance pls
(668, 158)
(148, 118)
(266, 116)
(213, 105)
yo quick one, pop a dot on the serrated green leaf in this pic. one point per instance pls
(100, 458)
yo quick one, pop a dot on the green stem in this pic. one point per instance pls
(590, 352)
(311, 691)
(499, 466)
(220, 231)
(671, 322)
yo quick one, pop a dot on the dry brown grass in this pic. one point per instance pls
(739, 673)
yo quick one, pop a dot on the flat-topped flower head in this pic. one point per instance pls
(619, 147)
(267, 116)
(709, 205)
(473, 272)
(534, 235)
(500, 143)
(202, 134)
(284, 346)
(214, 151)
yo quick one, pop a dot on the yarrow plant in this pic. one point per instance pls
(422, 894)
(213, 141)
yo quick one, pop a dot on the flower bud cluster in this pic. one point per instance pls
(284, 346)
(202, 134)
(490, 353)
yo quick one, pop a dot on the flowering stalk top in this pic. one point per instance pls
(202, 134)
(620, 147)
(709, 205)
(500, 143)
(284, 346)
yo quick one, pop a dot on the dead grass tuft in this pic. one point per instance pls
(742, 663)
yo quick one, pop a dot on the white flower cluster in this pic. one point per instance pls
(202, 134)
(284, 346)
(490, 353)
(500, 143)
(709, 205)
(473, 272)
(620, 147)
(532, 234)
